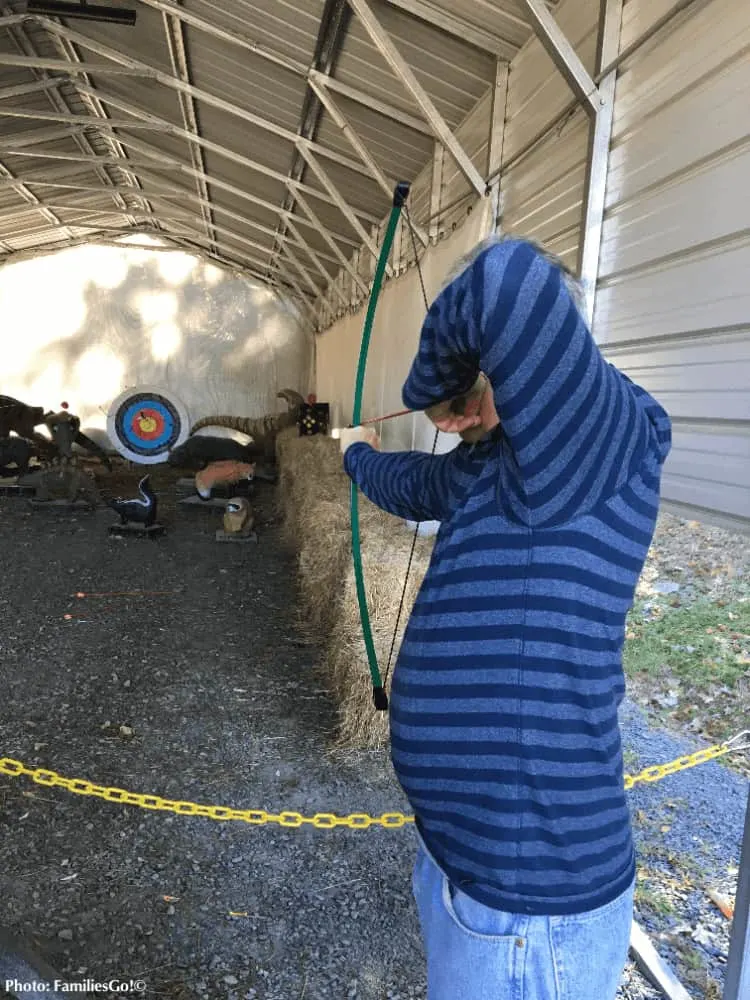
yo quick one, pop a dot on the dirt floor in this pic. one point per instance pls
(201, 692)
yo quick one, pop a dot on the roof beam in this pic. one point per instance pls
(170, 194)
(70, 52)
(62, 65)
(22, 89)
(314, 256)
(136, 67)
(140, 217)
(166, 197)
(68, 117)
(563, 55)
(437, 17)
(333, 191)
(167, 162)
(597, 160)
(240, 193)
(290, 254)
(292, 65)
(382, 41)
(36, 136)
(305, 206)
(24, 45)
(373, 103)
(386, 183)
(232, 37)
(214, 147)
(173, 32)
(173, 212)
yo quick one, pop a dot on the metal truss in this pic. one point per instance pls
(136, 67)
(140, 162)
(158, 160)
(165, 197)
(173, 31)
(161, 124)
(382, 41)
(386, 183)
(338, 199)
(57, 99)
(563, 54)
(299, 69)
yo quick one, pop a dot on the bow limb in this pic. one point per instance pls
(379, 697)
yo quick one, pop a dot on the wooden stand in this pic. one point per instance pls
(10, 489)
(222, 536)
(61, 504)
(132, 530)
(215, 503)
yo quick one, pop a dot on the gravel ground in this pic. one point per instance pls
(206, 693)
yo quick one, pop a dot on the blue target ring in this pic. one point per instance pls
(144, 426)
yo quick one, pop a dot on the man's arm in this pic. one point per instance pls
(409, 484)
(572, 422)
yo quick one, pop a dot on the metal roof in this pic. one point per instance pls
(218, 126)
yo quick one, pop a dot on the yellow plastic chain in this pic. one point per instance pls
(322, 821)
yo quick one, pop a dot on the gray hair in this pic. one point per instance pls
(575, 289)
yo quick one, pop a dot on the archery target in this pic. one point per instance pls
(145, 424)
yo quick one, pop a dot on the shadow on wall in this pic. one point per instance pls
(84, 324)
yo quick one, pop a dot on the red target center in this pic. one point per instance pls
(147, 424)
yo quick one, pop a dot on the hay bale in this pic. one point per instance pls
(385, 556)
(314, 499)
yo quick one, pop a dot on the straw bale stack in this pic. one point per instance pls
(314, 499)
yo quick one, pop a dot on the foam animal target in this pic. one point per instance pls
(145, 424)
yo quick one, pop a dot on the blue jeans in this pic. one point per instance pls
(477, 953)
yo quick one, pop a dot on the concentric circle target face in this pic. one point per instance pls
(144, 425)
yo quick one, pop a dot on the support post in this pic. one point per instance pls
(436, 190)
(600, 136)
(497, 137)
(737, 980)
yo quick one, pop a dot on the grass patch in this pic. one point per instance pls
(653, 901)
(706, 644)
(692, 664)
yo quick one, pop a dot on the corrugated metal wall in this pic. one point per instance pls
(673, 302)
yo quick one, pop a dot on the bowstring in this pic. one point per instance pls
(432, 452)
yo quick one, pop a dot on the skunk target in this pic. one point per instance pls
(144, 425)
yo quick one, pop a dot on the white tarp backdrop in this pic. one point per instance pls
(83, 324)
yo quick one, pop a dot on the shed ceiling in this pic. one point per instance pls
(189, 124)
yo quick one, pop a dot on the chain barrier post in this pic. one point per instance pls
(737, 980)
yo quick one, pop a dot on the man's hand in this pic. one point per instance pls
(350, 435)
(468, 415)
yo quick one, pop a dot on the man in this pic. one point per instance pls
(504, 729)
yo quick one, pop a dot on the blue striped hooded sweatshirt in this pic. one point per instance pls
(503, 715)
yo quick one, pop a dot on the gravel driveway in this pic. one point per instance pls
(206, 693)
